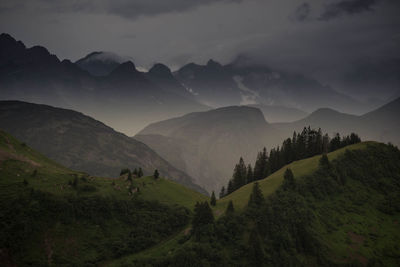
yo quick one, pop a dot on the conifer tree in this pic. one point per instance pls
(230, 187)
(335, 143)
(239, 174)
(260, 167)
(135, 172)
(140, 172)
(256, 196)
(156, 174)
(202, 215)
(255, 249)
(213, 200)
(324, 162)
(222, 193)
(250, 176)
(230, 209)
(288, 180)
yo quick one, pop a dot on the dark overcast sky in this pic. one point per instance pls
(322, 38)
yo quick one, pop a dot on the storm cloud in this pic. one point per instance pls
(348, 7)
(124, 8)
(326, 40)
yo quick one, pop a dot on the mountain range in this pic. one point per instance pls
(125, 98)
(111, 89)
(244, 82)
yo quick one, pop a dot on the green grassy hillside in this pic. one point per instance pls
(270, 184)
(52, 215)
(20, 162)
(344, 213)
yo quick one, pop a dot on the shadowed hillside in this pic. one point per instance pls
(206, 145)
(82, 143)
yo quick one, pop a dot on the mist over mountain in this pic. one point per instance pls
(100, 63)
(381, 124)
(246, 82)
(280, 113)
(206, 145)
(124, 99)
(82, 143)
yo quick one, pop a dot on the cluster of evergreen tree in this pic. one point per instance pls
(285, 228)
(137, 172)
(308, 143)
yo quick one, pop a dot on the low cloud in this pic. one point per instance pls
(346, 7)
(125, 8)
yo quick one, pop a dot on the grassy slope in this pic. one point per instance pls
(240, 199)
(347, 222)
(18, 162)
(268, 185)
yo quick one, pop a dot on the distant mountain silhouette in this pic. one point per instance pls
(244, 82)
(381, 124)
(82, 143)
(125, 99)
(100, 63)
(206, 145)
(274, 113)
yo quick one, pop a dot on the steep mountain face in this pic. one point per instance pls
(100, 63)
(162, 76)
(243, 82)
(124, 99)
(381, 124)
(206, 145)
(211, 84)
(82, 143)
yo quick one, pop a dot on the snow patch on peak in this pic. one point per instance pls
(249, 96)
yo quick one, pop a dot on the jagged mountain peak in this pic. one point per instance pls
(214, 64)
(161, 70)
(125, 68)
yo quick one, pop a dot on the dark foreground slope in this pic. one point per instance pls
(206, 145)
(345, 213)
(50, 215)
(82, 143)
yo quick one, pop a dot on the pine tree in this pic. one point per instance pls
(335, 143)
(222, 193)
(239, 174)
(319, 142)
(129, 176)
(124, 171)
(250, 176)
(261, 166)
(256, 196)
(202, 215)
(324, 162)
(156, 174)
(230, 209)
(230, 187)
(325, 144)
(213, 200)
(140, 172)
(288, 180)
(255, 250)
(135, 172)
(294, 146)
